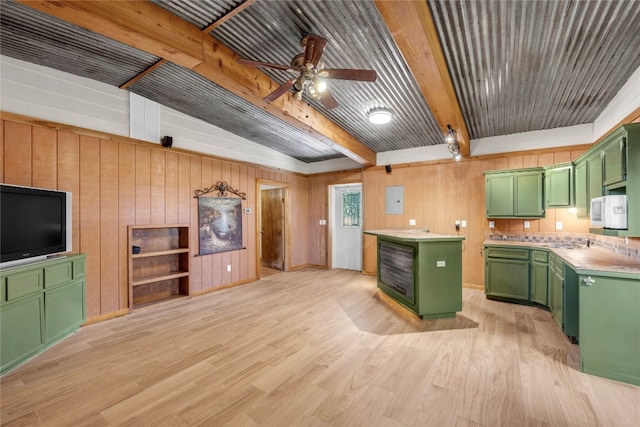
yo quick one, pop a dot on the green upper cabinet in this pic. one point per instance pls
(559, 186)
(582, 192)
(594, 175)
(499, 194)
(514, 194)
(614, 156)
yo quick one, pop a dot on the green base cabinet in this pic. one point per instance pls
(41, 303)
(507, 273)
(610, 327)
(539, 277)
(424, 276)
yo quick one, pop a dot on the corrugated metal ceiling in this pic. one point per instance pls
(520, 66)
(516, 66)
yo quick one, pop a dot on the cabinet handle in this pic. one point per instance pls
(588, 281)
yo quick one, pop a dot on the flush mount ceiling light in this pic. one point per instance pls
(454, 148)
(380, 116)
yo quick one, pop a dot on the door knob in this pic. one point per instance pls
(588, 281)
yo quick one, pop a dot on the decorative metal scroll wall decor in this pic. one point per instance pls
(222, 188)
(220, 219)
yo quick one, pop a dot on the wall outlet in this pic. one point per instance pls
(323, 222)
(492, 224)
(441, 263)
(412, 222)
(229, 268)
(527, 224)
(457, 222)
(558, 225)
(463, 223)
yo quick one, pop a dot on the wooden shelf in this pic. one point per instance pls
(161, 271)
(158, 278)
(160, 253)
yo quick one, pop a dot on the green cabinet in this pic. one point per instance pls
(594, 175)
(41, 303)
(423, 273)
(507, 273)
(582, 190)
(499, 195)
(514, 194)
(559, 184)
(563, 296)
(610, 327)
(614, 168)
(539, 277)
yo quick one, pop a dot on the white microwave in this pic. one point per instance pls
(609, 211)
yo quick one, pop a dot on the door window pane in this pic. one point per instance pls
(351, 209)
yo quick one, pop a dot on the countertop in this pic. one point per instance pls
(583, 260)
(413, 235)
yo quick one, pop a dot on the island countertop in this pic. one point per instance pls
(413, 235)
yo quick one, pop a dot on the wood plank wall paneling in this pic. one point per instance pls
(17, 153)
(119, 183)
(90, 237)
(44, 149)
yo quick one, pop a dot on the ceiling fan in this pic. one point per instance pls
(311, 73)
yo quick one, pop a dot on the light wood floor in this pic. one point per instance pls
(315, 348)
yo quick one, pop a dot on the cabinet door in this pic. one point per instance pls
(610, 328)
(559, 186)
(539, 283)
(507, 278)
(613, 161)
(528, 194)
(21, 325)
(64, 309)
(582, 196)
(499, 195)
(594, 176)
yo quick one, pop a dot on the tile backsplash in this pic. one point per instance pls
(630, 247)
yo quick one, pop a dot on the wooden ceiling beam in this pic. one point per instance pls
(411, 25)
(150, 28)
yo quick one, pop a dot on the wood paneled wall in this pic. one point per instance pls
(117, 182)
(438, 194)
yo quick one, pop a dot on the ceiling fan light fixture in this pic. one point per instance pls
(380, 116)
(320, 85)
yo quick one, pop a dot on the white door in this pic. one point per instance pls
(346, 237)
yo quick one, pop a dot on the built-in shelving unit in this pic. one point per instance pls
(159, 263)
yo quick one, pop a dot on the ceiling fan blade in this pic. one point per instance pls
(284, 88)
(348, 74)
(328, 100)
(263, 64)
(313, 49)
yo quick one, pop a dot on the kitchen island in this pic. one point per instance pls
(421, 270)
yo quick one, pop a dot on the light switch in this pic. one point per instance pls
(463, 223)
(558, 225)
(527, 224)
(412, 222)
(492, 224)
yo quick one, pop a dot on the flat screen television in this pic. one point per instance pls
(34, 223)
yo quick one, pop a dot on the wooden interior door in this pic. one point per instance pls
(272, 206)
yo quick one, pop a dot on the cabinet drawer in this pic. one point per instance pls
(511, 253)
(539, 256)
(21, 284)
(57, 274)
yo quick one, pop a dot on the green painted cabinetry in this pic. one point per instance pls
(539, 277)
(582, 191)
(514, 194)
(41, 303)
(614, 156)
(563, 296)
(610, 327)
(507, 273)
(556, 286)
(559, 192)
(594, 175)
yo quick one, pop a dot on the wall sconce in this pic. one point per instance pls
(380, 116)
(454, 148)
